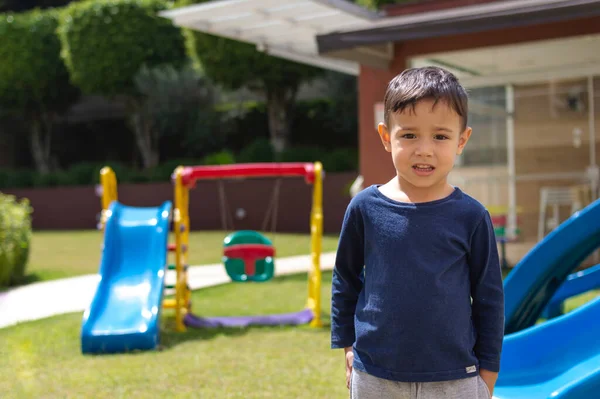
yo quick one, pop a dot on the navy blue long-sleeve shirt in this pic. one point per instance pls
(417, 288)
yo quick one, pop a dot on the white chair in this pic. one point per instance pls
(556, 197)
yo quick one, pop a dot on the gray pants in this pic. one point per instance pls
(365, 386)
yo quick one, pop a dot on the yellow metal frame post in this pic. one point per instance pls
(316, 237)
(108, 181)
(181, 227)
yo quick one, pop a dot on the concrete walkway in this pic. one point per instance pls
(51, 298)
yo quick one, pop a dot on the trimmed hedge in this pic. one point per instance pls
(106, 42)
(338, 160)
(15, 238)
(32, 73)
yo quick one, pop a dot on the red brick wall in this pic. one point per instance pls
(374, 162)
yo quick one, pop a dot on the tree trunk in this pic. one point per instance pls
(39, 141)
(145, 137)
(279, 105)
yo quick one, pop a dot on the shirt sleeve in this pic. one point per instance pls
(487, 293)
(347, 278)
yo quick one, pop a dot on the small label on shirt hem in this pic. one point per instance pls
(471, 369)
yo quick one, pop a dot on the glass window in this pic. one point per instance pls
(487, 117)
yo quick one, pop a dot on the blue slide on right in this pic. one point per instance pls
(125, 311)
(559, 358)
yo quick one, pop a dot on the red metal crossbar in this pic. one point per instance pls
(303, 169)
(249, 253)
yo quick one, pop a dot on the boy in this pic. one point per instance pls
(417, 295)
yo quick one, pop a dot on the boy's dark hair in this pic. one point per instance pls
(426, 83)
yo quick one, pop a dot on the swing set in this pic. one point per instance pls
(248, 256)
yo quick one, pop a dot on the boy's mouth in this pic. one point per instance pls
(421, 167)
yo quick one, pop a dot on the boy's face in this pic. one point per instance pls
(424, 143)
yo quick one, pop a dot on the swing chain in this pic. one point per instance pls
(226, 218)
(272, 209)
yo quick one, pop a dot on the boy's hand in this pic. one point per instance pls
(489, 377)
(349, 355)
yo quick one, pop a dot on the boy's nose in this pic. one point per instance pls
(424, 149)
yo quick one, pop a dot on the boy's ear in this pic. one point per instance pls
(463, 139)
(384, 135)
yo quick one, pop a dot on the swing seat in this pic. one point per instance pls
(248, 256)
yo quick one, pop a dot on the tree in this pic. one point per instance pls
(234, 64)
(34, 82)
(177, 104)
(107, 43)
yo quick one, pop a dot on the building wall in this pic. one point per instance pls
(545, 151)
(488, 184)
(374, 162)
(544, 142)
(375, 165)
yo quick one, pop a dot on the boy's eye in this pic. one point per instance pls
(408, 136)
(441, 137)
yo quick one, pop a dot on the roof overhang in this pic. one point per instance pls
(286, 29)
(521, 63)
(468, 19)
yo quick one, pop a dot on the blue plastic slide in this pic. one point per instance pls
(125, 311)
(576, 284)
(533, 282)
(559, 358)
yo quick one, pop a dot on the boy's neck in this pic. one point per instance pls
(401, 190)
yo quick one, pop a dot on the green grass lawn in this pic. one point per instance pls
(58, 254)
(42, 359)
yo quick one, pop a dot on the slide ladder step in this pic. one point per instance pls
(174, 267)
(172, 247)
(171, 304)
(172, 287)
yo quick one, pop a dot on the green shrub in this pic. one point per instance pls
(219, 158)
(164, 171)
(15, 238)
(83, 173)
(6, 178)
(302, 154)
(87, 173)
(260, 150)
(52, 179)
(17, 178)
(341, 160)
